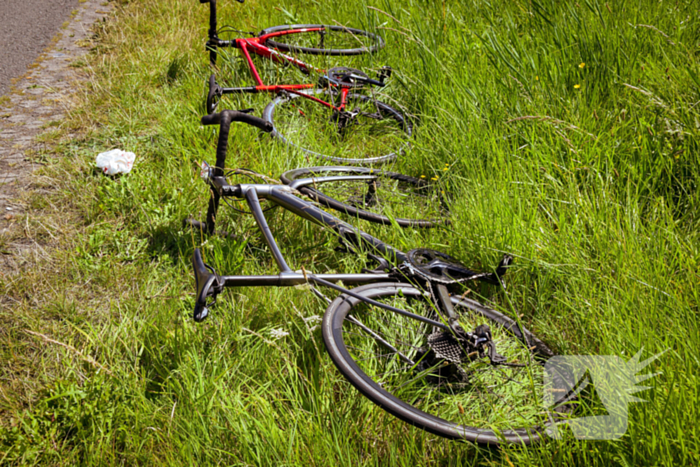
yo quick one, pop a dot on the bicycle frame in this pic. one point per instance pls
(442, 316)
(257, 46)
(209, 282)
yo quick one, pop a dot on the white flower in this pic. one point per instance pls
(312, 322)
(278, 333)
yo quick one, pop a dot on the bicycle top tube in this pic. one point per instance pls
(258, 47)
(284, 196)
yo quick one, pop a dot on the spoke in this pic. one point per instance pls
(379, 339)
(403, 344)
(387, 346)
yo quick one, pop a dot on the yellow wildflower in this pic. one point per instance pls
(581, 65)
(576, 86)
(537, 78)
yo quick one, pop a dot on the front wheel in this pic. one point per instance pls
(373, 195)
(318, 39)
(404, 366)
(370, 132)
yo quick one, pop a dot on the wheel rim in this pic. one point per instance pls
(387, 196)
(485, 408)
(335, 40)
(313, 128)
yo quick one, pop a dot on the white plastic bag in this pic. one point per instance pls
(115, 161)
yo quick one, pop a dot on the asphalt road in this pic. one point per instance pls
(26, 28)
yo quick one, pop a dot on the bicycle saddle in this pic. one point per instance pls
(347, 77)
(442, 268)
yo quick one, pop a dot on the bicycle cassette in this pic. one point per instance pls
(439, 267)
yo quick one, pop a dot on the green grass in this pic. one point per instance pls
(570, 133)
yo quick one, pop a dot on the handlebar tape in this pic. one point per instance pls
(225, 117)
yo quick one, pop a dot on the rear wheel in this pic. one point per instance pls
(370, 132)
(398, 363)
(373, 195)
(323, 40)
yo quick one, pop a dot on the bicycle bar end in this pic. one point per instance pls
(207, 284)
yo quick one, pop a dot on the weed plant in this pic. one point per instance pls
(566, 134)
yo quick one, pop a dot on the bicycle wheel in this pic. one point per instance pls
(373, 195)
(329, 40)
(377, 131)
(388, 358)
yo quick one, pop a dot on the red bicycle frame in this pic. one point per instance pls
(258, 47)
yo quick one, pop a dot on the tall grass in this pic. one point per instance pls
(569, 131)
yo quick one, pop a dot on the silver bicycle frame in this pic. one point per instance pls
(284, 196)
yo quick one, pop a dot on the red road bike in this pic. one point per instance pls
(333, 120)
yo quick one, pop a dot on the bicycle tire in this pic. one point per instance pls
(342, 336)
(352, 35)
(381, 141)
(393, 195)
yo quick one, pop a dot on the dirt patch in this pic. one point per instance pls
(31, 114)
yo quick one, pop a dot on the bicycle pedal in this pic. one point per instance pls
(384, 73)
